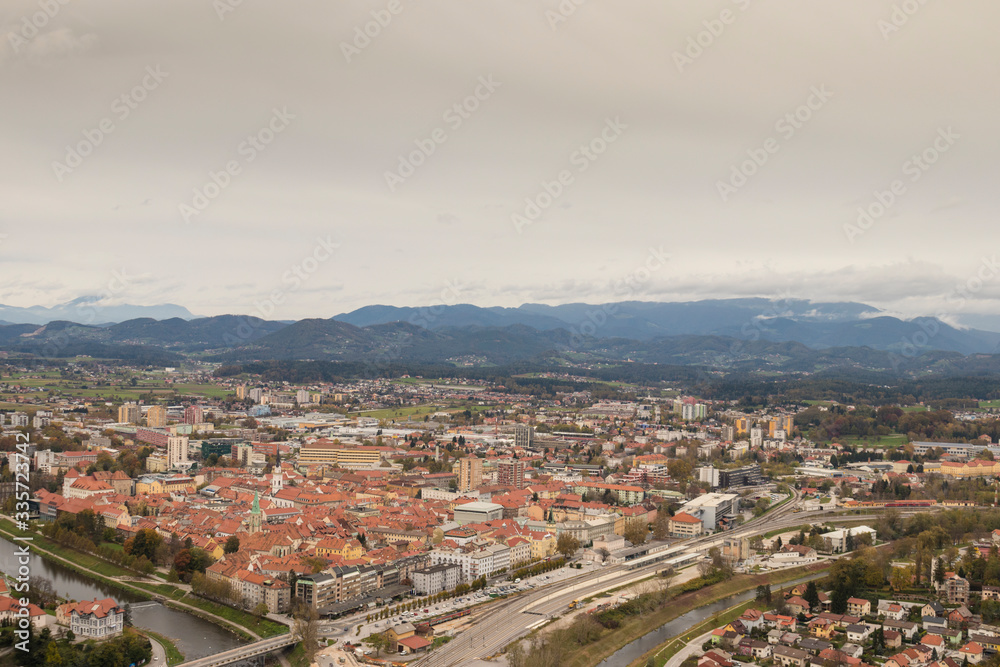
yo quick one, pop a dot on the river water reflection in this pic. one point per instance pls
(195, 637)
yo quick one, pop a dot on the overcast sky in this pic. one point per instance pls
(672, 98)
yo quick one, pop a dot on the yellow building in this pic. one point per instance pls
(338, 546)
(543, 545)
(470, 473)
(332, 453)
(156, 416)
(128, 414)
(148, 485)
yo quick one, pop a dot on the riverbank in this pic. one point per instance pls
(662, 654)
(636, 627)
(173, 654)
(238, 622)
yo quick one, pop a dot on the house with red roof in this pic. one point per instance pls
(93, 619)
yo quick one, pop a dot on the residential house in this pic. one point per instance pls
(972, 651)
(797, 605)
(858, 607)
(786, 656)
(906, 628)
(933, 608)
(858, 633)
(893, 611)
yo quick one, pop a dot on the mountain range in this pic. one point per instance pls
(733, 334)
(91, 310)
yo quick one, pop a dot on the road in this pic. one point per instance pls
(503, 622)
(243, 652)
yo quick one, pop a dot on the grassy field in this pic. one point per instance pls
(122, 390)
(297, 656)
(94, 563)
(262, 626)
(894, 440)
(174, 656)
(636, 627)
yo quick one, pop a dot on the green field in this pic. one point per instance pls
(262, 626)
(894, 440)
(120, 390)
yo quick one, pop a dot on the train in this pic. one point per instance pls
(903, 504)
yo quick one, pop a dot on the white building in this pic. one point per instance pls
(711, 508)
(437, 578)
(838, 538)
(474, 562)
(177, 451)
(477, 512)
(96, 619)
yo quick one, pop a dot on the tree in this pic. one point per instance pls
(307, 628)
(661, 526)
(567, 545)
(127, 616)
(764, 593)
(939, 569)
(900, 578)
(636, 532)
(603, 553)
(515, 655)
(378, 641)
(260, 610)
(811, 595)
(232, 545)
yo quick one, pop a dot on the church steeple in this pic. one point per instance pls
(255, 520)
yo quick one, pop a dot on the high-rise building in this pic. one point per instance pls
(302, 396)
(742, 425)
(156, 416)
(128, 413)
(177, 450)
(524, 436)
(241, 392)
(193, 414)
(510, 472)
(256, 394)
(694, 411)
(470, 473)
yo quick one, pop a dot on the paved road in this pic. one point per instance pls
(159, 658)
(693, 647)
(505, 621)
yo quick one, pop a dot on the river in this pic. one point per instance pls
(683, 623)
(194, 637)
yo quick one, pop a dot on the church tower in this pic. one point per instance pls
(255, 518)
